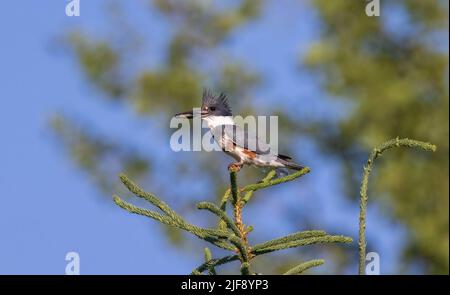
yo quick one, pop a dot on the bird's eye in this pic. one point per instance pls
(212, 109)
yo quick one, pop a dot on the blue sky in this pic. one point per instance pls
(50, 208)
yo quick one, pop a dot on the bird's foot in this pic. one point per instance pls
(235, 167)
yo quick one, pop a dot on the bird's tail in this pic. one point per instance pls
(288, 163)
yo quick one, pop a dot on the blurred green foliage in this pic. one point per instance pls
(398, 84)
(176, 84)
(395, 78)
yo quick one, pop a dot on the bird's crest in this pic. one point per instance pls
(220, 102)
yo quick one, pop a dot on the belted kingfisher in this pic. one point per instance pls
(243, 146)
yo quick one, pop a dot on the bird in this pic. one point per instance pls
(246, 148)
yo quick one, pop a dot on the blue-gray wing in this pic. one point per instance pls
(226, 134)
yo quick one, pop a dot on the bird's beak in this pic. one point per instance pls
(191, 114)
(204, 114)
(187, 115)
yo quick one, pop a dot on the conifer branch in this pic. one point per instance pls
(264, 183)
(261, 249)
(144, 212)
(240, 240)
(269, 176)
(245, 268)
(405, 142)
(215, 262)
(258, 249)
(266, 179)
(287, 178)
(304, 266)
(214, 236)
(135, 189)
(224, 200)
(233, 189)
(208, 257)
(290, 238)
(232, 234)
(221, 214)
